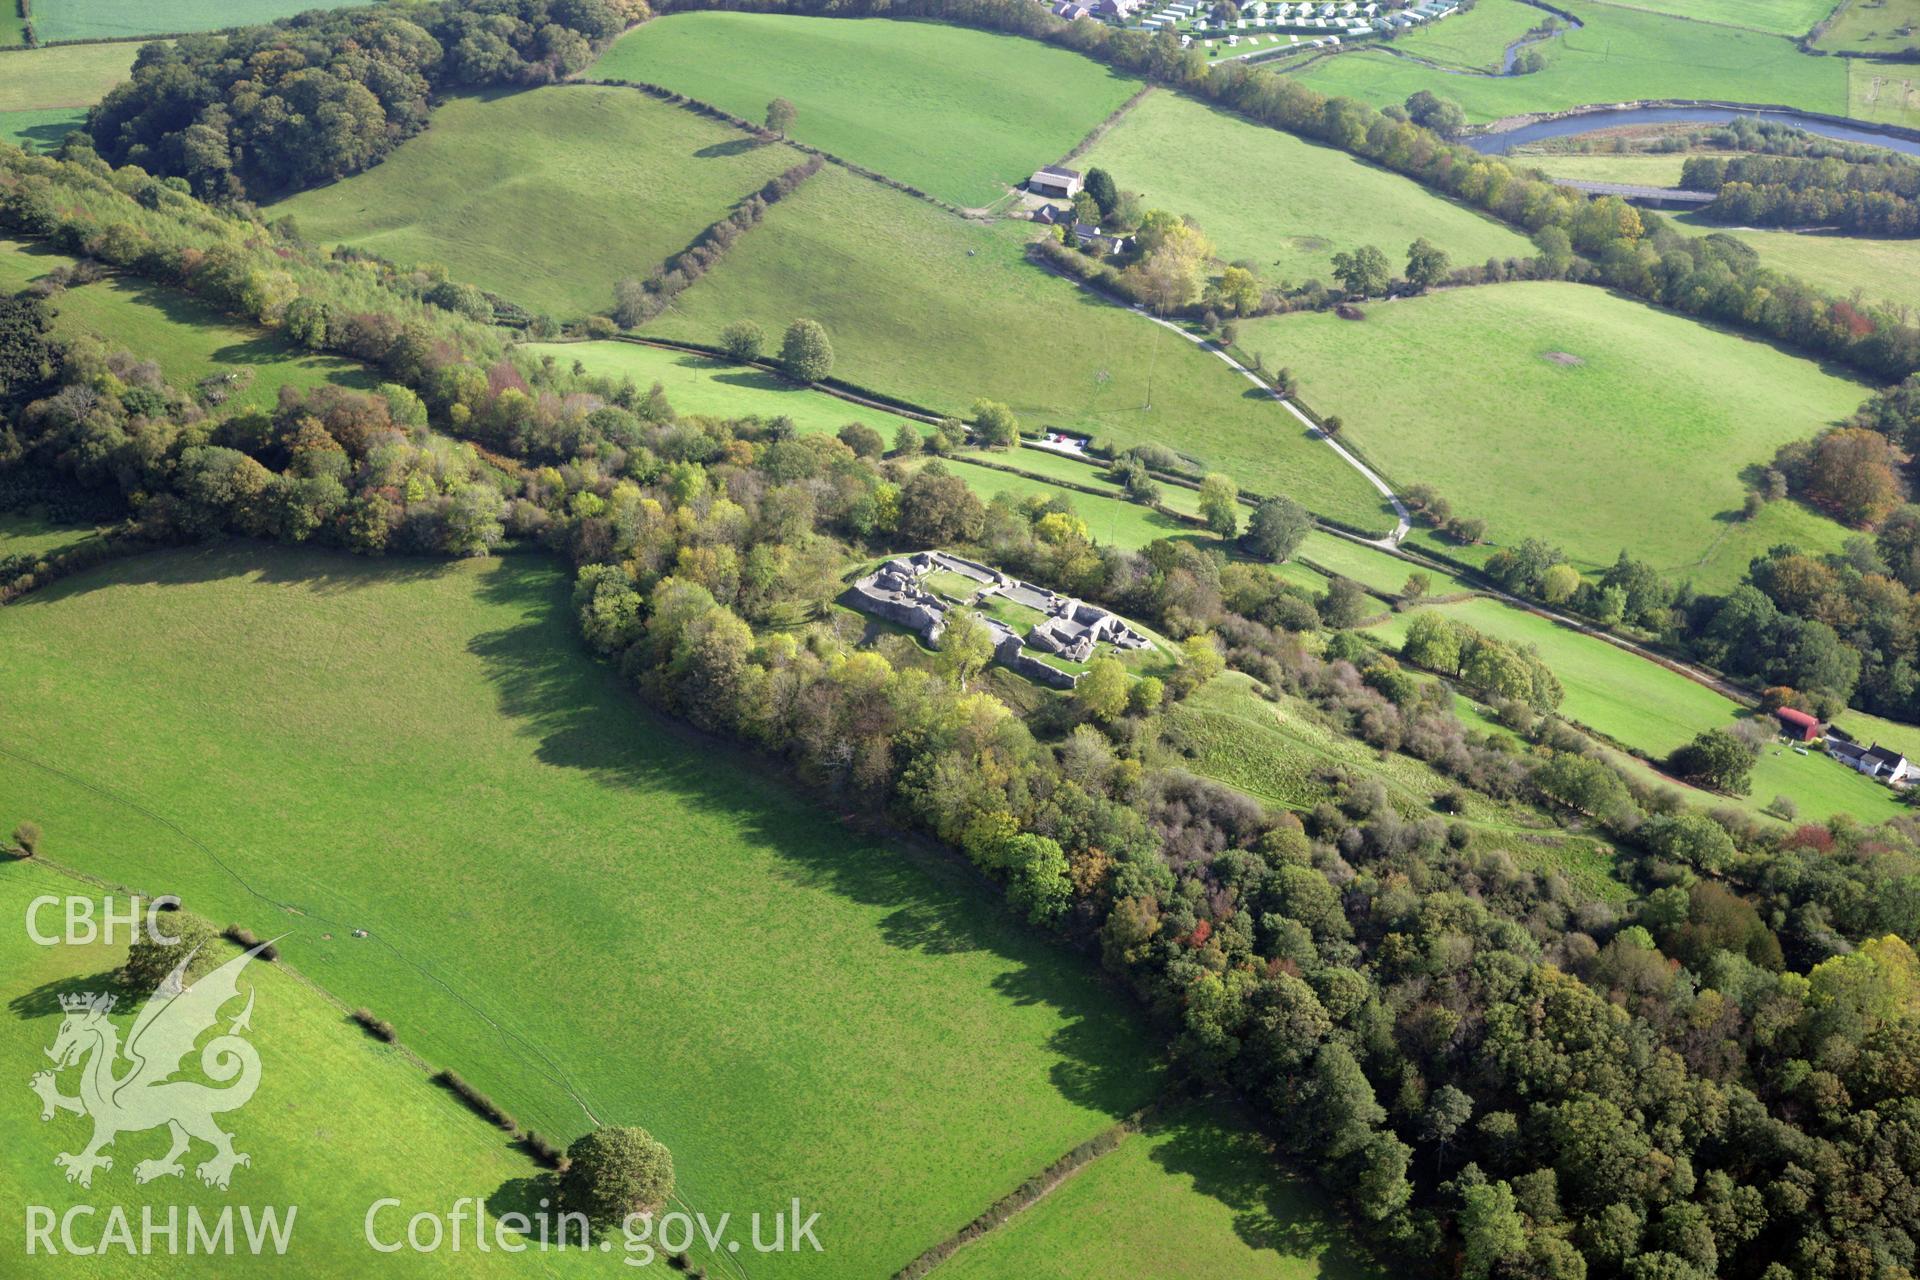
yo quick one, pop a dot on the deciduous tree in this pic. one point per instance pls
(806, 352)
(780, 116)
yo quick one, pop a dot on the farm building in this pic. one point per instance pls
(1882, 763)
(1052, 180)
(1088, 234)
(1797, 725)
(1072, 12)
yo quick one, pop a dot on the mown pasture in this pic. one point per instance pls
(1193, 1195)
(573, 903)
(1474, 40)
(119, 19)
(1568, 413)
(1780, 17)
(340, 1121)
(71, 76)
(1638, 168)
(1871, 26)
(941, 311)
(958, 113)
(714, 387)
(187, 339)
(1885, 91)
(1282, 202)
(1647, 708)
(1619, 55)
(548, 197)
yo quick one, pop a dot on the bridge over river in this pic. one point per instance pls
(1656, 196)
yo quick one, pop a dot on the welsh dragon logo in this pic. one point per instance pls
(130, 1088)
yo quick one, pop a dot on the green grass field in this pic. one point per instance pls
(1873, 26)
(1372, 567)
(28, 533)
(339, 1122)
(43, 129)
(118, 19)
(1885, 91)
(1476, 39)
(1620, 55)
(1572, 415)
(547, 197)
(1780, 17)
(68, 76)
(1650, 709)
(700, 385)
(576, 906)
(1278, 200)
(958, 113)
(941, 311)
(1113, 521)
(1638, 168)
(1190, 1197)
(187, 339)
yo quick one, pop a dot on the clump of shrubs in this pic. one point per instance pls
(249, 940)
(544, 1151)
(378, 1028)
(480, 1102)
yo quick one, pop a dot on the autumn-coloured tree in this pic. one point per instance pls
(1851, 474)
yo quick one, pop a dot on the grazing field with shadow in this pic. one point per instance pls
(564, 897)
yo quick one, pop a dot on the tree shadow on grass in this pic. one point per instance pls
(323, 572)
(586, 718)
(48, 137)
(760, 380)
(44, 1000)
(1216, 1148)
(732, 147)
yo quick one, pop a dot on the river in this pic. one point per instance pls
(1615, 117)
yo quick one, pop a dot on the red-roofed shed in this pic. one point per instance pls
(1797, 724)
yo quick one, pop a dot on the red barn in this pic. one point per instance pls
(1797, 725)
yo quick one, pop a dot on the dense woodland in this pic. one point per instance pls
(1763, 190)
(1497, 1071)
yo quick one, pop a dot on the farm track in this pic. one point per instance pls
(1404, 520)
(1698, 674)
